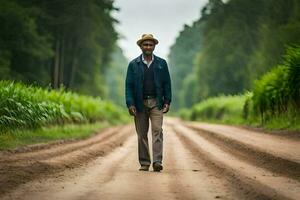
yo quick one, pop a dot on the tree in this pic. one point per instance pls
(63, 42)
(181, 62)
(21, 45)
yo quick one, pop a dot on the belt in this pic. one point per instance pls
(149, 97)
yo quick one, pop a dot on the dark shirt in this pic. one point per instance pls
(149, 86)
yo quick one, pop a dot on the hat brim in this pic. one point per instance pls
(140, 41)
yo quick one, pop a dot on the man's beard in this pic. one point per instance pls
(148, 53)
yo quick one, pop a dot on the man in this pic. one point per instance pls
(148, 96)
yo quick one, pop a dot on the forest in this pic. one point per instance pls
(57, 43)
(230, 46)
(240, 58)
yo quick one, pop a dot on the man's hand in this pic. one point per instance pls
(166, 108)
(132, 110)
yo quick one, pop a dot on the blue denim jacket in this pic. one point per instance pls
(135, 79)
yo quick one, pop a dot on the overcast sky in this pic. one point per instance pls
(163, 18)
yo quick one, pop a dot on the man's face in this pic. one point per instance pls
(148, 47)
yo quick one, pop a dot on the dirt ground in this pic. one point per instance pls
(201, 161)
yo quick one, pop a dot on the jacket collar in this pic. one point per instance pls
(139, 59)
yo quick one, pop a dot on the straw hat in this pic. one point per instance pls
(146, 37)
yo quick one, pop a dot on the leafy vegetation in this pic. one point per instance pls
(231, 45)
(182, 68)
(56, 43)
(31, 107)
(274, 102)
(277, 93)
(225, 109)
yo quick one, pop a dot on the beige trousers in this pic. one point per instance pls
(151, 112)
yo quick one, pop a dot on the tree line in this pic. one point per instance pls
(231, 45)
(63, 42)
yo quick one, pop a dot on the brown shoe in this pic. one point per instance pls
(144, 168)
(157, 167)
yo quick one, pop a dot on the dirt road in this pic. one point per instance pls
(201, 161)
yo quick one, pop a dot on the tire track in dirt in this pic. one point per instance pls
(280, 146)
(116, 176)
(13, 174)
(74, 183)
(196, 166)
(48, 150)
(252, 154)
(252, 179)
(191, 179)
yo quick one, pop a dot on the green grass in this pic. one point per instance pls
(273, 104)
(231, 110)
(283, 123)
(30, 115)
(18, 138)
(221, 109)
(28, 107)
(276, 94)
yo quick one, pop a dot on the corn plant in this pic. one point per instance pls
(24, 106)
(278, 91)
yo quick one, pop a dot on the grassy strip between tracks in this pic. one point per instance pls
(19, 138)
